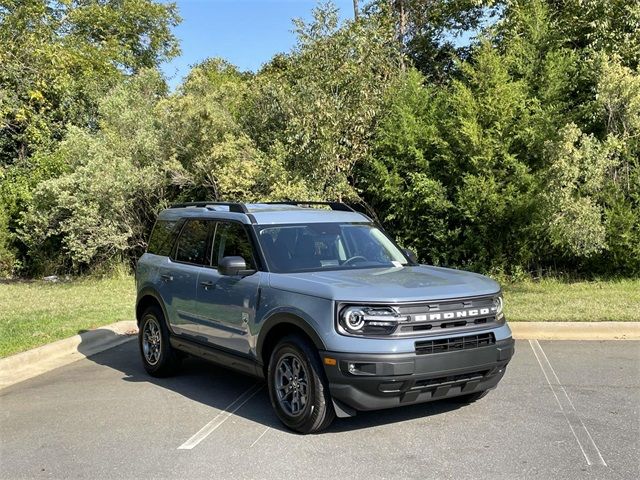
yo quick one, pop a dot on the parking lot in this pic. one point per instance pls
(563, 410)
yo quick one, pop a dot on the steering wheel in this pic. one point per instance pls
(348, 261)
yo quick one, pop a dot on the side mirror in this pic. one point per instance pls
(410, 255)
(233, 266)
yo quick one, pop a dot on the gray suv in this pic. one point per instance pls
(319, 301)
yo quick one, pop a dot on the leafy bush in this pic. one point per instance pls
(104, 204)
(7, 257)
(518, 154)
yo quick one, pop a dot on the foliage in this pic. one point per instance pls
(609, 26)
(217, 159)
(516, 155)
(327, 96)
(59, 57)
(103, 205)
(523, 165)
(576, 174)
(7, 256)
(431, 31)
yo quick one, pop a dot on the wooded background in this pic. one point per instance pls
(515, 153)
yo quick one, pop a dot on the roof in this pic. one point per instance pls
(268, 213)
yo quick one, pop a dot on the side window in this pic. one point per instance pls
(162, 237)
(232, 240)
(192, 244)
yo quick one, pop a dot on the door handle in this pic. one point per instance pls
(167, 277)
(206, 285)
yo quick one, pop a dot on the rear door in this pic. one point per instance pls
(191, 255)
(228, 303)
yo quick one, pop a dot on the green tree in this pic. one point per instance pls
(217, 159)
(104, 204)
(517, 163)
(322, 101)
(59, 57)
(434, 33)
(519, 153)
(398, 179)
(606, 26)
(618, 98)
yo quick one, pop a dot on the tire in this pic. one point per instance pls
(158, 356)
(313, 411)
(471, 397)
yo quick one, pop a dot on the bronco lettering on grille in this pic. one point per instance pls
(474, 312)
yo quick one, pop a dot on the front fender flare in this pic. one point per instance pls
(291, 318)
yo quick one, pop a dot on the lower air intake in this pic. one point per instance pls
(454, 344)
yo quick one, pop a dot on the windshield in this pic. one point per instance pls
(328, 246)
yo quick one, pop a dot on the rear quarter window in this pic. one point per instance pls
(162, 237)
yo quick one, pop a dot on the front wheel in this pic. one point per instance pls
(298, 387)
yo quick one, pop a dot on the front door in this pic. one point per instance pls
(228, 303)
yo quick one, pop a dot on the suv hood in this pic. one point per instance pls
(396, 284)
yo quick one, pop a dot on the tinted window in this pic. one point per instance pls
(162, 237)
(192, 244)
(232, 240)
(328, 246)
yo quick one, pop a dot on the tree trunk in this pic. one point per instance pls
(399, 7)
(355, 10)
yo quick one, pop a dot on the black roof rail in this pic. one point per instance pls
(333, 205)
(236, 207)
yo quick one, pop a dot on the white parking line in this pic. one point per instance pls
(583, 437)
(219, 419)
(260, 436)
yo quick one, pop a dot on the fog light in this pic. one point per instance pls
(360, 368)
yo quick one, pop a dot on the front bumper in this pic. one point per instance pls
(379, 381)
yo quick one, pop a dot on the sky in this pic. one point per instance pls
(247, 33)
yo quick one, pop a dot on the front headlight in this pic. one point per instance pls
(498, 305)
(363, 320)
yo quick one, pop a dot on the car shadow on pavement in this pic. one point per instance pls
(217, 387)
(392, 415)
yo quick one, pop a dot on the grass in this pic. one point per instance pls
(34, 313)
(556, 301)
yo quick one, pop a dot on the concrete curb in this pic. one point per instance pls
(575, 330)
(31, 363)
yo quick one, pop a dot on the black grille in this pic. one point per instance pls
(450, 380)
(430, 318)
(453, 344)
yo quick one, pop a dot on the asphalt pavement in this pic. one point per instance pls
(563, 410)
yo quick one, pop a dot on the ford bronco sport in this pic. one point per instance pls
(318, 300)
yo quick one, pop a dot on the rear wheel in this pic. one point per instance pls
(298, 387)
(158, 356)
